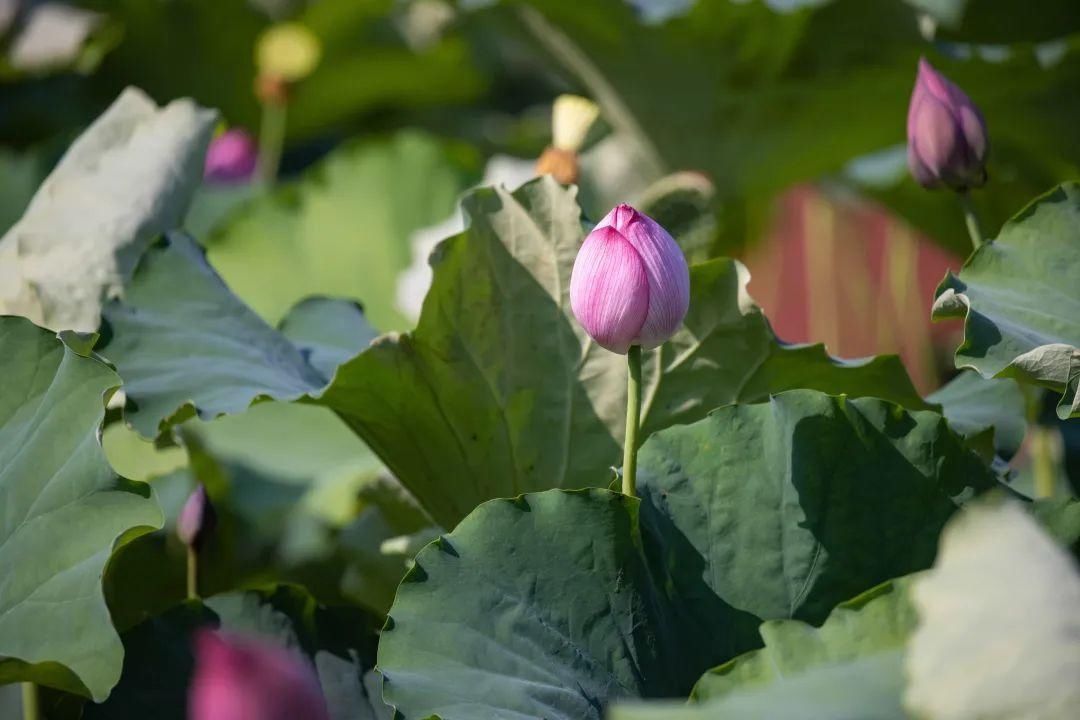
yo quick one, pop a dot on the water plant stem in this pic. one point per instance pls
(1040, 445)
(192, 573)
(31, 704)
(633, 420)
(1042, 460)
(271, 140)
(971, 217)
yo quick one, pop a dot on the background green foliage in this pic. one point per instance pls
(793, 552)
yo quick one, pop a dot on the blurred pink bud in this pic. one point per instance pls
(247, 679)
(947, 141)
(197, 519)
(231, 157)
(630, 284)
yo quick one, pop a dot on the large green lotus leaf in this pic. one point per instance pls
(1000, 589)
(852, 667)
(866, 690)
(459, 398)
(849, 668)
(497, 317)
(63, 513)
(726, 352)
(128, 178)
(340, 643)
(328, 331)
(1019, 296)
(976, 407)
(750, 93)
(784, 509)
(868, 628)
(343, 228)
(540, 606)
(229, 356)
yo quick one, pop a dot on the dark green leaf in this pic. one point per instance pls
(536, 607)
(458, 398)
(555, 604)
(786, 508)
(1002, 21)
(848, 669)
(872, 625)
(339, 643)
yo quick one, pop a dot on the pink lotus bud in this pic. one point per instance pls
(197, 519)
(947, 141)
(630, 284)
(244, 679)
(231, 157)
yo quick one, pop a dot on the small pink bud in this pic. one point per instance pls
(947, 142)
(630, 284)
(244, 679)
(197, 519)
(231, 157)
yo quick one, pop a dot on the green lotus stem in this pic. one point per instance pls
(633, 419)
(31, 703)
(971, 217)
(192, 574)
(271, 141)
(1040, 446)
(1042, 461)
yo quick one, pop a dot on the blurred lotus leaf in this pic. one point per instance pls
(126, 180)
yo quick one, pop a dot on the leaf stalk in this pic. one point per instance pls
(633, 420)
(971, 218)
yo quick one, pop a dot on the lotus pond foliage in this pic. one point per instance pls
(404, 361)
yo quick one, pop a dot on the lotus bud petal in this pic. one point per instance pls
(242, 679)
(197, 519)
(947, 141)
(572, 117)
(630, 284)
(231, 157)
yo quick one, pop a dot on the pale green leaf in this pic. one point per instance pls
(872, 626)
(999, 623)
(124, 181)
(343, 229)
(1019, 296)
(63, 513)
